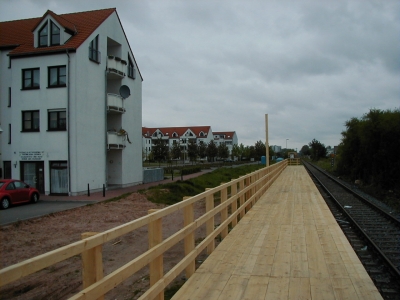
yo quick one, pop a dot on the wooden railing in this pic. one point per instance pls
(236, 198)
(294, 162)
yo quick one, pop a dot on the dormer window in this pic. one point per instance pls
(44, 35)
(55, 34)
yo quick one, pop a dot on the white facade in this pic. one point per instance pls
(89, 152)
(228, 137)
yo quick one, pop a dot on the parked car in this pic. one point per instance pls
(14, 191)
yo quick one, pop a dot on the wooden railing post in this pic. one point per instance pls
(210, 223)
(224, 212)
(241, 201)
(155, 238)
(188, 217)
(92, 264)
(234, 203)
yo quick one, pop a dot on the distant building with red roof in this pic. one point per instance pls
(70, 102)
(184, 135)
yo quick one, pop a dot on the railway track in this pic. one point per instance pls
(370, 227)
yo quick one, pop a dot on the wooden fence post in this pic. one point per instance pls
(92, 264)
(210, 223)
(188, 217)
(241, 201)
(156, 266)
(234, 203)
(224, 212)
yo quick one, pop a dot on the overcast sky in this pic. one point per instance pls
(309, 65)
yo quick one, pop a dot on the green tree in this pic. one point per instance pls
(236, 151)
(252, 152)
(369, 149)
(305, 150)
(192, 150)
(260, 150)
(318, 150)
(241, 148)
(176, 151)
(202, 149)
(212, 151)
(223, 151)
(160, 150)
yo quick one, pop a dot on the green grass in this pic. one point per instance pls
(171, 193)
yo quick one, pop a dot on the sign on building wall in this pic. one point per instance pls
(31, 155)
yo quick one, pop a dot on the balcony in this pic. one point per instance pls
(115, 103)
(116, 67)
(115, 140)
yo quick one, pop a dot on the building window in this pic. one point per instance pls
(131, 69)
(55, 34)
(94, 53)
(9, 133)
(31, 79)
(57, 76)
(9, 97)
(30, 120)
(7, 169)
(43, 36)
(57, 120)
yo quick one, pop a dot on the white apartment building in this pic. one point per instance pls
(70, 103)
(175, 135)
(228, 137)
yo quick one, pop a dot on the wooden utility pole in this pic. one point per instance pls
(266, 142)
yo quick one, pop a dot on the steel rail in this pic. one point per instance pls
(389, 263)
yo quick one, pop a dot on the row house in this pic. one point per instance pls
(228, 137)
(184, 135)
(175, 135)
(70, 103)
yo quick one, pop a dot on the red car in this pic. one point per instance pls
(14, 191)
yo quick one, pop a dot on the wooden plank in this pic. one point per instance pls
(299, 288)
(321, 288)
(256, 288)
(235, 288)
(278, 288)
(365, 289)
(344, 289)
(212, 288)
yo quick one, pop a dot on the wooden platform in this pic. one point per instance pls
(288, 246)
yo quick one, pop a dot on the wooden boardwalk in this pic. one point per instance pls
(288, 246)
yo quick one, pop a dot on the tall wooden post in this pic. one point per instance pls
(156, 266)
(266, 142)
(92, 264)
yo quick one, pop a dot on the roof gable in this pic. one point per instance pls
(18, 33)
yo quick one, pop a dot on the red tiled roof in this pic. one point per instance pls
(169, 131)
(19, 33)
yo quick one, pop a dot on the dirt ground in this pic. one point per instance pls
(27, 239)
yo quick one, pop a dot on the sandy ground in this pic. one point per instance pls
(27, 239)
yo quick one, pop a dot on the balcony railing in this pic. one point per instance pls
(115, 103)
(115, 140)
(116, 66)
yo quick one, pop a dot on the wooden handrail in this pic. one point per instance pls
(240, 200)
